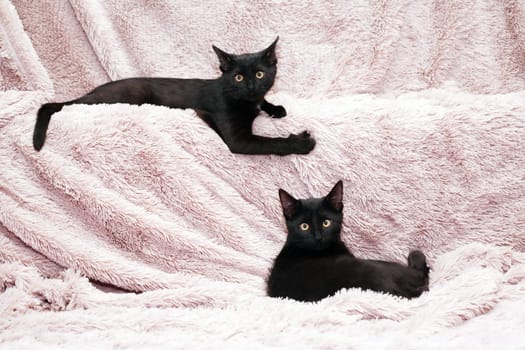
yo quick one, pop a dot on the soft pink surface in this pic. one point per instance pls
(417, 106)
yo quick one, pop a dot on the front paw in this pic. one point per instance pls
(278, 112)
(303, 143)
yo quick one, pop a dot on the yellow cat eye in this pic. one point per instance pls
(259, 74)
(304, 226)
(238, 78)
(327, 223)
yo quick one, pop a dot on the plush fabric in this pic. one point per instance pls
(135, 227)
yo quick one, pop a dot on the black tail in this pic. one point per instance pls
(42, 122)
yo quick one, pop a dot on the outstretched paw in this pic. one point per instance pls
(303, 142)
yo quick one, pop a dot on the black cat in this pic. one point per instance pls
(228, 104)
(314, 263)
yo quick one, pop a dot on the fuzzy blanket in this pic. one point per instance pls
(135, 227)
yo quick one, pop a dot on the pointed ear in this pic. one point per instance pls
(268, 54)
(335, 197)
(290, 204)
(225, 59)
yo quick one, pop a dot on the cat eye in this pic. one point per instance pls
(238, 78)
(304, 226)
(327, 223)
(259, 74)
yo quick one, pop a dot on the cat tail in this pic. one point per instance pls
(42, 122)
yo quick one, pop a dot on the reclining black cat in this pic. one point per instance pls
(314, 263)
(228, 104)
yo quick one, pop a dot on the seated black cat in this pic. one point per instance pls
(314, 263)
(228, 104)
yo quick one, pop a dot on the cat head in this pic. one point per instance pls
(313, 223)
(248, 77)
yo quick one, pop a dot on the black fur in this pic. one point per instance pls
(315, 263)
(227, 104)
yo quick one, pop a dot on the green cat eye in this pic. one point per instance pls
(327, 223)
(304, 226)
(239, 77)
(259, 74)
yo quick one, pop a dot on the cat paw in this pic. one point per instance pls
(278, 112)
(303, 142)
(417, 260)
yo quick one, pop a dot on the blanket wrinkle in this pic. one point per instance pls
(135, 227)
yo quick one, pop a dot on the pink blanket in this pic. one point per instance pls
(417, 106)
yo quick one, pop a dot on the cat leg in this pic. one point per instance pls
(254, 144)
(273, 110)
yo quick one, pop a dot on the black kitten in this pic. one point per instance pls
(314, 263)
(228, 104)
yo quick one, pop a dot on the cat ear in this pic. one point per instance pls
(268, 54)
(225, 59)
(290, 204)
(335, 197)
